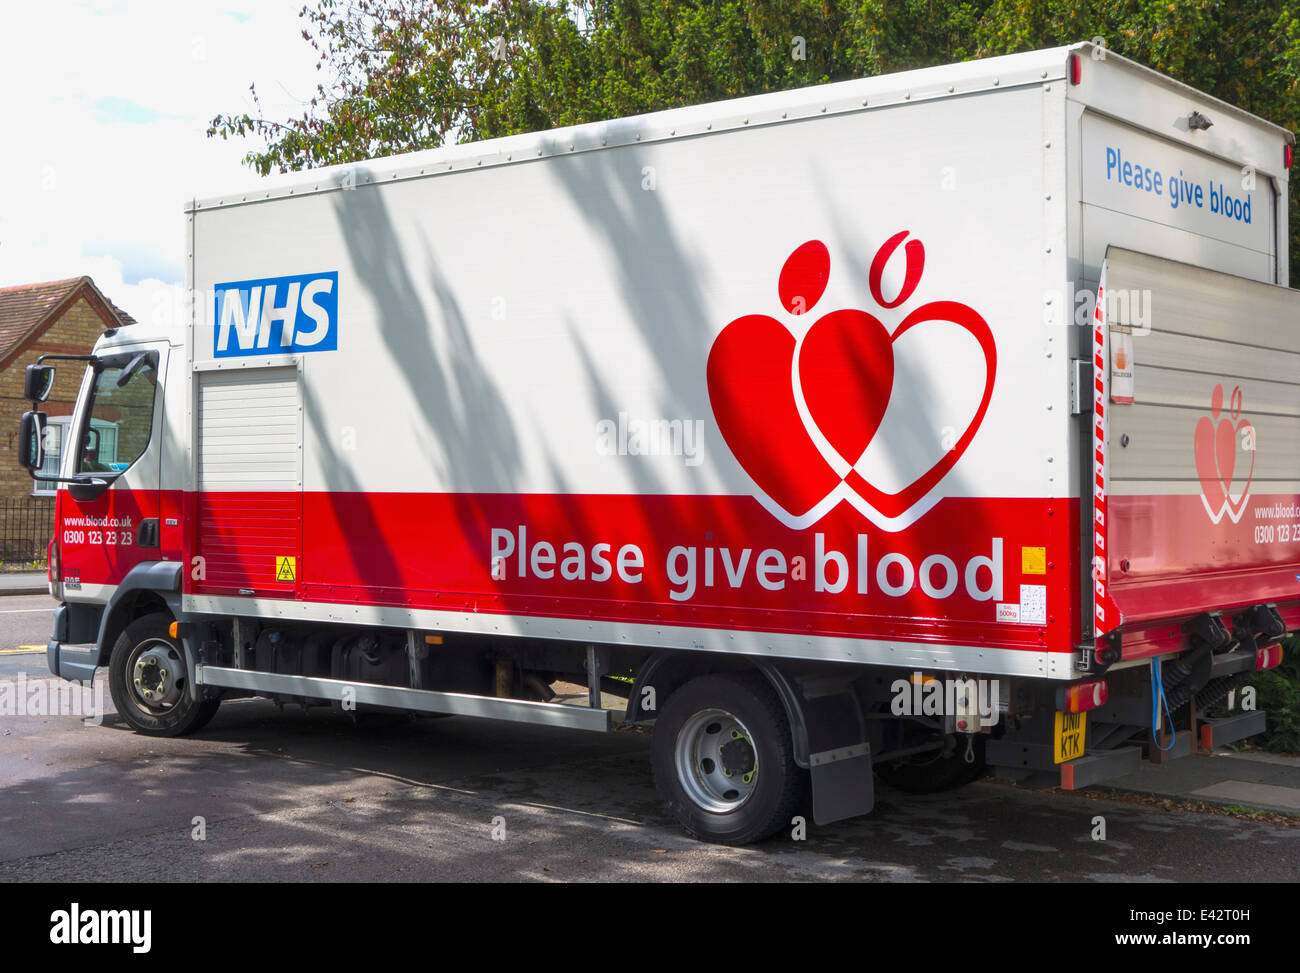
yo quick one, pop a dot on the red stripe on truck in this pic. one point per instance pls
(1000, 572)
(721, 562)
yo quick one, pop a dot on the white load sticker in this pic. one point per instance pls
(1033, 604)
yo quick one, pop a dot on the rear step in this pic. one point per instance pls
(1096, 768)
(1230, 729)
(399, 697)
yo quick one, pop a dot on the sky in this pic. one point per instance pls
(104, 109)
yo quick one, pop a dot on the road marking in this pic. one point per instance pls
(23, 650)
(23, 611)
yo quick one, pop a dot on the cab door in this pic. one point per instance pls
(110, 521)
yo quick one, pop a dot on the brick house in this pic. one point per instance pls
(59, 317)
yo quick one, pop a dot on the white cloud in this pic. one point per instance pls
(105, 110)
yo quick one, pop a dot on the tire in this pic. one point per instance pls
(711, 734)
(172, 710)
(935, 775)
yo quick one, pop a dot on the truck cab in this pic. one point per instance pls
(117, 531)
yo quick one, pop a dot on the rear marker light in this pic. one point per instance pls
(1083, 696)
(1268, 657)
(1076, 69)
(1286, 157)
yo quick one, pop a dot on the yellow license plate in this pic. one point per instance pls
(1070, 730)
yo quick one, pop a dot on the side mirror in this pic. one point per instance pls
(31, 439)
(38, 382)
(85, 490)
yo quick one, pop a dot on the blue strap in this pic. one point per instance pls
(1157, 698)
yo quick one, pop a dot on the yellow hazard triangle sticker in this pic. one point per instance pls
(286, 568)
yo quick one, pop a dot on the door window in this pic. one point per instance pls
(121, 413)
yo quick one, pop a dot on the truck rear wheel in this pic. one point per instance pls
(931, 774)
(723, 760)
(149, 682)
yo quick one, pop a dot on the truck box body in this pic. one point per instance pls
(815, 376)
(518, 325)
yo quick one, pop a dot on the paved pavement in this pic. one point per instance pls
(24, 583)
(1264, 781)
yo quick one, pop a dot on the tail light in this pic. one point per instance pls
(1082, 696)
(52, 558)
(1268, 656)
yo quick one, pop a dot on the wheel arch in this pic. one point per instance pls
(151, 586)
(668, 670)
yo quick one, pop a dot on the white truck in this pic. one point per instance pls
(905, 425)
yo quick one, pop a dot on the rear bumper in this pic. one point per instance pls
(1124, 731)
(1101, 767)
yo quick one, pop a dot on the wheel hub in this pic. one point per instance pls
(157, 676)
(737, 756)
(715, 760)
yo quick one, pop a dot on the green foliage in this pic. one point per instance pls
(399, 75)
(1279, 694)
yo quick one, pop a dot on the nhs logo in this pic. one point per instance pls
(277, 315)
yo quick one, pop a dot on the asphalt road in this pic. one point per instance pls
(26, 622)
(294, 796)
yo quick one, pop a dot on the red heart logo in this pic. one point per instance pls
(846, 376)
(1225, 451)
(1207, 467)
(1239, 505)
(751, 390)
(804, 276)
(896, 504)
(846, 369)
(1214, 452)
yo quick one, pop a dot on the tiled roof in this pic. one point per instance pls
(26, 308)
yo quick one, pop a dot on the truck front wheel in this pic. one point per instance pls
(723, 760)
(149, 682)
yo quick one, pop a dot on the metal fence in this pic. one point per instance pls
(26, 525)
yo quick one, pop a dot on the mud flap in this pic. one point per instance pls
(842, 785)
(831, 741)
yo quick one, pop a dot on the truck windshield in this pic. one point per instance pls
(121, 414)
